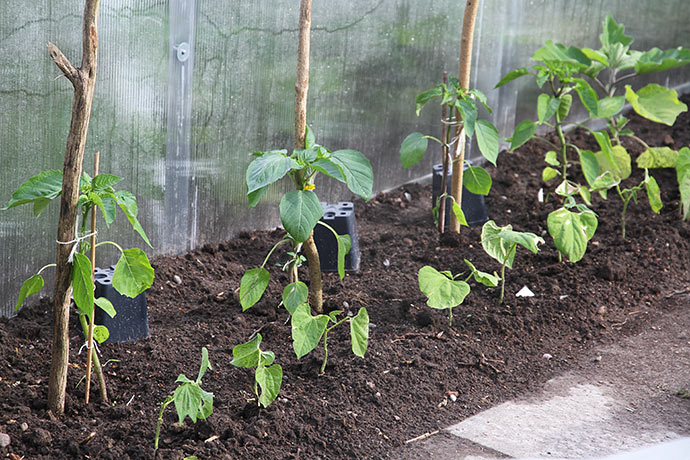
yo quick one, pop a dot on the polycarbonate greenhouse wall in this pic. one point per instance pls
(179, 121)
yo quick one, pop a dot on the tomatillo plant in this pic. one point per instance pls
(307, 331)
(189, 398)
(445, 291)
(267, 376)
(300, 209)
(501, 243)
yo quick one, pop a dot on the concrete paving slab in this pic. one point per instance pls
(618, 402)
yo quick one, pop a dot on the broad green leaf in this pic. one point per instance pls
(252, 286)
(327, 167)
(546, 107)
(247, 354)
(128, 204)
(294, 295)
(133, 273)
(357, 171)
(426, 96)
(657, 157)
(300, 210)
(412, 149)
(344, 246)
(512, 75)
(684, 188)
(442, 291)
(109, 208)
(555, 52)
(653, 193)
(487, 279)
(571, 231)
(551, 158)
(307, 330)
(620, 167)
(655, 102)
(103, 181)
(683, 163)
(565, 102)
(459, 214)
(487, 139)
(306, 155)
(605, 181)
(656, 60)
(525, 239)
(588, 97)
(476, 180)
(589, 165)
(267, 358)
(188, 402)
(612, 33)
(549, 173)
(267, 169)
(495, 246)
(359, 332)
(270, 380)
(523, 132)
(608, 107)
(82, 285)
(309, 138)
(31, 286)
(254, 197)
(100, 333)
(105, 305)
(39, 190)
(468, 113)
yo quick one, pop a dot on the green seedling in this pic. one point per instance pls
(501, 243)
(455, 99)
(189, 398)
(664, 157)
(307, 331)
(267, 376)
(445, 291)
(300, 209)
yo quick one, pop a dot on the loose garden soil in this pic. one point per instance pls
(419, 374)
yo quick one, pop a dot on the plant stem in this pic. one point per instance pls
(564, 146)
(92, 319)
(275, 246)
(626, 201)
(96, 362)
(165, 404)
(503, 281)
(325, 351)
(450, 317)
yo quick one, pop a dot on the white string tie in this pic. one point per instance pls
(76, 245)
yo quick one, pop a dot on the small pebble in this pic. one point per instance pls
(453, 397)
(371, 385)
(547, 356)
(345, 304)
(4, 440)
(177, 279)
(378, 395)
(24, 426)
(597, 359)
(387, 263)
(407, 196)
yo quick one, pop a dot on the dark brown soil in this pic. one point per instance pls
(361, 408)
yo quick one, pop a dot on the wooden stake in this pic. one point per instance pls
(464, 77)
(84, 81)
(301, 90)
(444, 153)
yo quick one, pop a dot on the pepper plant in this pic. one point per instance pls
(445, 291)
(501, 243)
(133, 273)
(455, 99)
(189, 398)
(300, 209)
(267, 375)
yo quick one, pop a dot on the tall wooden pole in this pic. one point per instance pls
(464, 77)
(301, 90)
(83, 80)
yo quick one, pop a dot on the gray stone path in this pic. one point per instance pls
(620, 406)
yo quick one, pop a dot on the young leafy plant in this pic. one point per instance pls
(455, 99)
(189, 398)
(664, 157)
(445, 291)
(501, 243)
(307, 331)
(267, 375)
(300, 209)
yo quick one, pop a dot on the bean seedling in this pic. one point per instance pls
(267, 376)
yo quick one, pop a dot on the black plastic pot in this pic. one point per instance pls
(474, 206)
(341, 217)
(131, 321)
